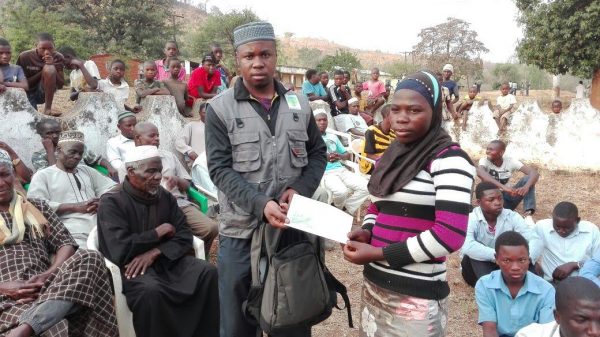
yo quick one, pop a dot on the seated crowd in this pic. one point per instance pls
(529, 279)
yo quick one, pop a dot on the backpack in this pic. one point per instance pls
(291, 286)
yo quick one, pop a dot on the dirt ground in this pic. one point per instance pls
(553, 187)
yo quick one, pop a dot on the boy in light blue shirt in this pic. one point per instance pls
(512, 298)
(486, 223)
(312, 87)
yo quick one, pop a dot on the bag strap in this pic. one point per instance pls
(341, 289)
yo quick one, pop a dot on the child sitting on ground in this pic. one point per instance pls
(11, 76)
(486, 222)
(504, 107)
(115, 85)
(149, 85)
(463, 107)
(178, 88)
(512, 297)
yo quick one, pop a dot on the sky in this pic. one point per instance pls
(388, 26)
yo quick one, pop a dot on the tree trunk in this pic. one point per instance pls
(595, 90)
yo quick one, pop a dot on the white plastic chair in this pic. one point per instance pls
(356, 146)
(124, 315)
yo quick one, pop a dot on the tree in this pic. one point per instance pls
(308, 57)
(219, 28)
(132, 28)
(342, 59)
(452, 42)
(129, 28)
(22, 20)
(400, 68)
(562, 36)
(506, 72)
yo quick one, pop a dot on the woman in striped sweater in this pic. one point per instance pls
(421, 192)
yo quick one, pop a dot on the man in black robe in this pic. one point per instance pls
(141, 229)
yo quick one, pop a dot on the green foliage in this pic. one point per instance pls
(136, 29)
(308, 57)
(400, 68)
(219, 28)
(133, 28)
(560, 36)
(342, 59)
(21, 21)
(452, 42)
(506, 72)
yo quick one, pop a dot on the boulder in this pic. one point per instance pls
(577, 137)
(94, 114)
(161, 110)
(481, 129)
(17, 128)
(527, 134)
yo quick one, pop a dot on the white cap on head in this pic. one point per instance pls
(352, 100)
(319, 111)
(448, 67)
(141, 152)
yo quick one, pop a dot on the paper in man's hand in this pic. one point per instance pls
(318, 218)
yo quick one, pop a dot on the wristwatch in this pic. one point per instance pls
(16, 162)
(578, 265)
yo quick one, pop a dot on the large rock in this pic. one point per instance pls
(527, 134)
(481, 129)
(577, 137)
(161, 110)
(94, 114)
(17, 123)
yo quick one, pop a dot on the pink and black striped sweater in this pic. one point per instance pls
(420, 225)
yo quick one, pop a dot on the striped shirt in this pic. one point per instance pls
(420, 225)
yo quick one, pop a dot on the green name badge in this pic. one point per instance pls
(293, 102)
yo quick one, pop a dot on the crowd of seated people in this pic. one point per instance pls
(529, 279)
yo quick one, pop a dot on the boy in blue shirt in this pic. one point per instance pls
(512, 298)
(11, 76)
(312, 87)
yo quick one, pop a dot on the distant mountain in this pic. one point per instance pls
(368, 58)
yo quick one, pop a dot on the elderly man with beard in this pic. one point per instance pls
(71, 190)
(141, 230)
(62, 296)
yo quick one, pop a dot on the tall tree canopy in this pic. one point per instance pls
(128, 28)
(562, 36)
(342, 59)
(451, 42)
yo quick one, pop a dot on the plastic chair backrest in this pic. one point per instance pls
(101, 169)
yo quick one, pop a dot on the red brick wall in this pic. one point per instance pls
(103, 63)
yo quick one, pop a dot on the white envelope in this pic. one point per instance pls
(318, 218)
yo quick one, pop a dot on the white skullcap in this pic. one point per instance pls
(319, 111)
(448, 67)
(352, 100)
(141, 152)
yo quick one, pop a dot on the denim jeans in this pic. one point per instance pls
(511, 202)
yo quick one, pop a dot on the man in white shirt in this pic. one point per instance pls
(577, 312)
(190, 142)
(72, 190)
(498, 169)
(352, 122)
(117, 147)
(580, 90)
(566, 242)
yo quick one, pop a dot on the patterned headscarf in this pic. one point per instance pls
(400, 163)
